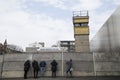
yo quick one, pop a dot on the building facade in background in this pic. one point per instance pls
(69, 46)
(9, 48)
(34, 46)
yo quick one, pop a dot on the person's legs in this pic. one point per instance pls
(25, 74)
(34, 73)
(67, 72)
(55, 74)
(42, 71)
(71, 73)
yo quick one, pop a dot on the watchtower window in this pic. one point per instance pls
(77, 24)
(80, 24)
(84, 24)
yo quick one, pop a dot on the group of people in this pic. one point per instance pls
(36, 68)
(42, 68)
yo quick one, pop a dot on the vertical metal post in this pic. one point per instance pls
(2, 65)
(62, 64)
(94, 63)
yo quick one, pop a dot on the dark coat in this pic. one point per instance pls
(27, 65)
(42, 64)
(69, 64)
(35, 65)
(54, 66)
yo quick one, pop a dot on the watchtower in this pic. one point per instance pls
(81, 31)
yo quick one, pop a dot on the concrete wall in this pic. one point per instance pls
(106, 47)
(107, 64)
(84, 64)
(107, 38)
(12, 64)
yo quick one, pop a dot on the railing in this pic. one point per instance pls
(80, 13)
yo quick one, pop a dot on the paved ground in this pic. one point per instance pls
(77, 78)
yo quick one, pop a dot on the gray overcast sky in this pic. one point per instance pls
(26, 21)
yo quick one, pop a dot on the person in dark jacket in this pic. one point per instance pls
(26, 68)
(42, 68)
(69, 67)
(35, 68)
(54, 68)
